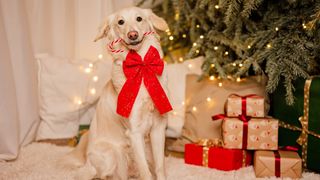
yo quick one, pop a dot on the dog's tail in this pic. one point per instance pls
(77, 157)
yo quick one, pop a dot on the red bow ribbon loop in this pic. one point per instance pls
(147, 71)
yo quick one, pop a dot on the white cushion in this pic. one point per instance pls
(63, 83)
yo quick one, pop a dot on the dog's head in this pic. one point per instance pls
(130, 24)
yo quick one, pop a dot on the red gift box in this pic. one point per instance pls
(217, 157)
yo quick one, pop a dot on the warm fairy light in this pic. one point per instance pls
(87, 70)
(167, 30)
(226, 53)
(211, 78)
(269, 45)
(240, 65)
(304, 26)
(216, 6)
(90, 65)
(234, 64)
(181, 59)
(194, 44)
(183, 103)
(77, 101)
(229, 77)
(238, 79)
(189, 65)
(277, 29)
(216, 48)
(220, 84)
(194, 108)
(249, 47)
(197, 51)
(198, 26)
(219, 77)
(93, 91)
(170, 38)
(184, 35)
(209, 99)
(177, 16)
(100, 56)
(201, 36)
(95, 78)
(212, 65)
(174, 113)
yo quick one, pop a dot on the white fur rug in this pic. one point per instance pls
(37, 162)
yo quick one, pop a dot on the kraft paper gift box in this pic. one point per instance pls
(217, 157)
(256, 134)
(289, 165)
(250, 105)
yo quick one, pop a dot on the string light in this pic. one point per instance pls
(87, 70)
(100, 56)
(238, 79)
(209, 99)
(269, 45)
(201, 36)
(90, 65)
(167, 30)
(277, 29)
(226, 53)
(184, 35)
(174, 113)
(77, 101)
(177, 16)
(240, 65)
(198, 26)
(181, 59)
(216, 48)
(189, 66)
(195, 44)
(304, 26)
(249, 47)
(216, 6)
(171, 38)
(212, 65)
(95, 78)
(220, 84)
(194, 108)
(197, 51)
(234, 64)
(183, 103)
(93, 91)
(211, 78)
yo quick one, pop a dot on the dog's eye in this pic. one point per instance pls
(139, 19)
(120, 22)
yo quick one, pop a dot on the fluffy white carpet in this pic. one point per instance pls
(37, 162)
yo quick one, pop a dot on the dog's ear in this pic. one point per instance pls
(104, 29)
(157, 22)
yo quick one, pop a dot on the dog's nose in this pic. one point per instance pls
(133, 35)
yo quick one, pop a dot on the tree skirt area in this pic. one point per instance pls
(37, 161)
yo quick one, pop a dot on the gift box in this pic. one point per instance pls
(254, 134)
(277, 163)
(300, 123)
(250, 105)
(217, 157)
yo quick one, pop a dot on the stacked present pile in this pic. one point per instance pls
(246, 130)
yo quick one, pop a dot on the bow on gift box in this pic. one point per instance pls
(137, 71)
(304, 120)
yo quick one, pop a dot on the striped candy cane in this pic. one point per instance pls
(111, 45)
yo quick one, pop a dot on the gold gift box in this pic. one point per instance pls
(290, 164)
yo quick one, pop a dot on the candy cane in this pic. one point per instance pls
(111, 45)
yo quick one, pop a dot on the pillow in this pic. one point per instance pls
(68, 90)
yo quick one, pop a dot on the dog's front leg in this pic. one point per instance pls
(157, 136)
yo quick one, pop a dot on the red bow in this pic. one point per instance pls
(147, 70)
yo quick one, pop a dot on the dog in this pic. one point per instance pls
(116, 147)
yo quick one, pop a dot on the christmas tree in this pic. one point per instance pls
(242, 37)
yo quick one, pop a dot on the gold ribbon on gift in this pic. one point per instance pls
(304, 120)
(206, 145)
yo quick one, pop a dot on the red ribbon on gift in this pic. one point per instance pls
(278, 158)
(146, 71)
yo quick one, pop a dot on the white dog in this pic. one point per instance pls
(115, 145)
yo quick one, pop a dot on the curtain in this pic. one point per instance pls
(18, 88)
